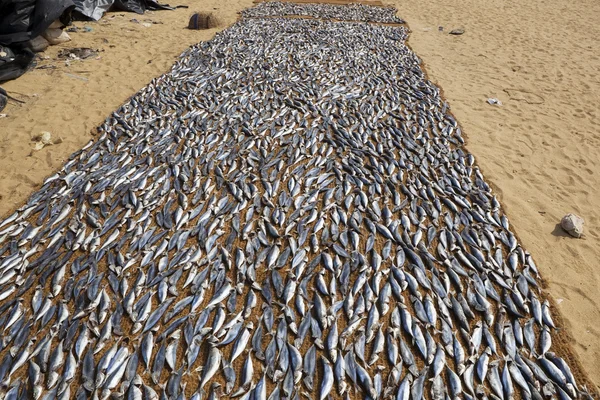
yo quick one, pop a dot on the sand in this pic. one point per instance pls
(540, 149)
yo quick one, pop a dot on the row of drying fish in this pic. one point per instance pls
(288, 213)
(350, 12)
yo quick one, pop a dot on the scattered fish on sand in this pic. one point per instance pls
(350, 12)
(289, 212)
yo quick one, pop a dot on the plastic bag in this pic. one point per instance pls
(14, 63)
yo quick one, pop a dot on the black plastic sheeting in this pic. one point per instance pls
(22, 20)
(94, 9)
(14, 63)
(3, 99)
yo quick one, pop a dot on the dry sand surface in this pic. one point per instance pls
(540, 149)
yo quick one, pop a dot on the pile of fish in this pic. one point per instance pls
(350, 12)
(288, 213)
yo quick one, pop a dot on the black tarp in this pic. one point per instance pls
(14, 63)
(3, 99)
(94, 9)
(21, 21)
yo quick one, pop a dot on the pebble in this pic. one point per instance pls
(572, 224)
(457, 32)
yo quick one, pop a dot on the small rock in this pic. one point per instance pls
(494, 101)
(458, 31)
(572, 224)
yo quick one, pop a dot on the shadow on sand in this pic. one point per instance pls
(560, 232)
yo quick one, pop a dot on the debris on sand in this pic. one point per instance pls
(77, 53)
(44, 139)
(202, 20)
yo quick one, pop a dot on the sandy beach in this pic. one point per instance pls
(540, 148)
